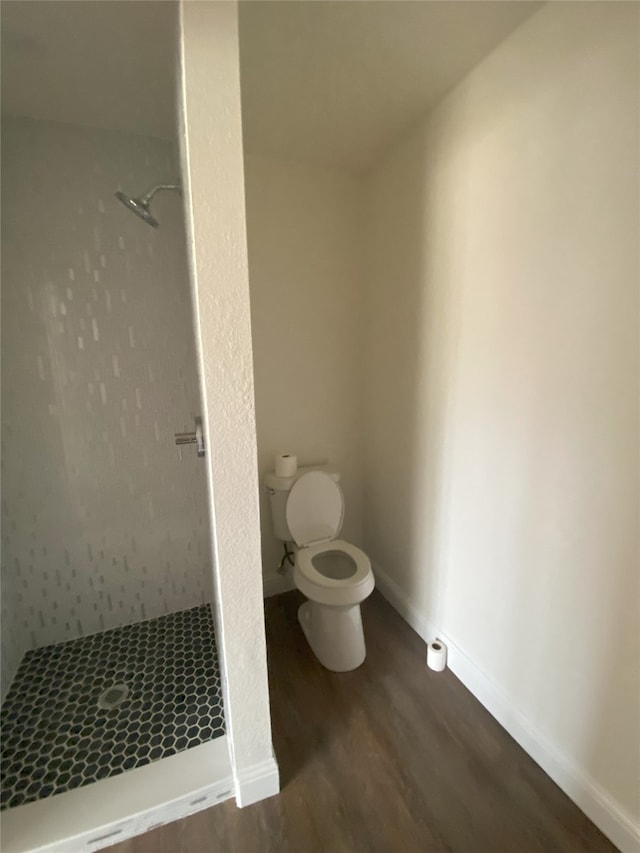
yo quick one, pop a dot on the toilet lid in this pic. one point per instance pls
(315, 508)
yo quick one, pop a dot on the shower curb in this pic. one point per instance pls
(96, 816)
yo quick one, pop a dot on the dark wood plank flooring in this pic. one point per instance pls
(390, 757)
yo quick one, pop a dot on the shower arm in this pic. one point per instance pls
(146, 198)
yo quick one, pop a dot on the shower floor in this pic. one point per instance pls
(55, 734)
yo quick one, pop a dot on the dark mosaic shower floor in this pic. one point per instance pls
(55, 737)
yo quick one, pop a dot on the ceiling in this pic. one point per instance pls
(102, 63)
(329, 82)
(338, 82)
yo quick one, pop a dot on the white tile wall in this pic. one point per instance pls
(104, 519)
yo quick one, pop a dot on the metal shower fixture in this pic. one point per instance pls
(140, 205)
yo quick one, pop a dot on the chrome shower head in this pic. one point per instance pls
(140, 206)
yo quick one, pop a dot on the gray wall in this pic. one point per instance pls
(303, 233)
(502, 364)
(104, 520)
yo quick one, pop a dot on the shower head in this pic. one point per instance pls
(140, 206)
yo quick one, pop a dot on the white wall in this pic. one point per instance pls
(104, 519)
(501, 470)
(213, 174)
(304, 236)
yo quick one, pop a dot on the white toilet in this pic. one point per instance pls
(335, 576)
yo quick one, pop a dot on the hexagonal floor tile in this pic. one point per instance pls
(55, 736)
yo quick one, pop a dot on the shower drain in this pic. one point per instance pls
(113, 696)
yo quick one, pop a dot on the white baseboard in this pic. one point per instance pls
(257, 782)
(275, 584)
(594, 801)
(114, 809)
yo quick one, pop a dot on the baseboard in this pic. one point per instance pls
(257, 782)
(275, 584)
(594, 801)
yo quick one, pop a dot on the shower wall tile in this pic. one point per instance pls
(104, 519)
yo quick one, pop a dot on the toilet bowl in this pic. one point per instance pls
(334, 575)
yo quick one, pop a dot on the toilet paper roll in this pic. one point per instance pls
(436, 655)
(286, 465)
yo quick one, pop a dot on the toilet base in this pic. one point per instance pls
(334, 633)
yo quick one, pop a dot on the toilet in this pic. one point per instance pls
(334, 575)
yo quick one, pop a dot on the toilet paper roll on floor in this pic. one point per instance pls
(436, 656)
(286, 465)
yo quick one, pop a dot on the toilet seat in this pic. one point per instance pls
(324, 590)
(314, 513)
(306, 557)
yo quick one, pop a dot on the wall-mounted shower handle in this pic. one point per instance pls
(196, 437)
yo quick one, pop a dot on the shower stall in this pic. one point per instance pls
(109, 654)
(134, 670)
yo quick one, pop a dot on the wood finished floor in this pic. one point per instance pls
(390, 757)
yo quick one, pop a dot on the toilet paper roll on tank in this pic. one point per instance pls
(286, 464)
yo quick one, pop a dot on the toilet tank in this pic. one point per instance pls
(278, 489)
